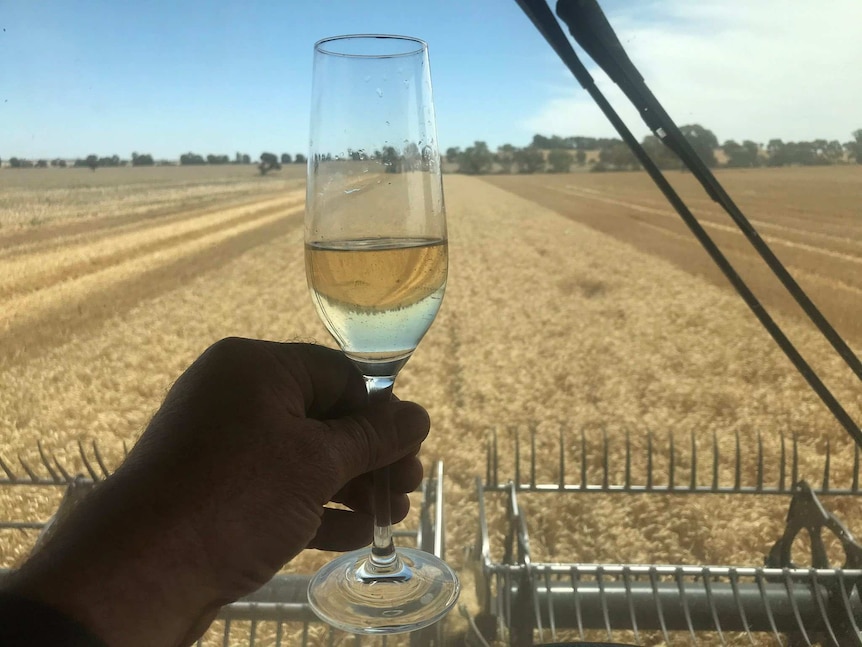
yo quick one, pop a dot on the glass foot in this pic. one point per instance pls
(423, 591)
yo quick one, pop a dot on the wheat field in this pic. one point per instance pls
(559, 314)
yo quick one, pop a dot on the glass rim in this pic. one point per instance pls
(320, 46)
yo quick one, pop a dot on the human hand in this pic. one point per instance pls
(228, 482)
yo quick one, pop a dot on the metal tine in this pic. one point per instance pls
(9, 473)
(47, 463)
(823, 613)
(99, 460)
(737, 475)
(707, 587)
(759, 484)
(680, 583)
(125, 450)
(605, 460)
(715, 457)
(68, 477)
(826, 463)
(93, 474)
(252, 632)
(226, 639)
(693, 480)
(488, 462)
(794, 467)
(855, 486)
(758, 576)
(583, 461)
(627, 583)
(33, 476)
(782, 469)
(653, 578)
(550, 602)
(649, 461)
(576, 577)
(496, 461)
(628, 477)
(671, 467)
(734, 586)
(842, 586)
(562, 483)
(279, 633)
(788, 586)
(517, 458)
(532, 456)
(304, 633)
(330, 635)
(604, 600)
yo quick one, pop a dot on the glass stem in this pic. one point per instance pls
(384, 560)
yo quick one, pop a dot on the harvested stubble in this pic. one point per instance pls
(546, 324)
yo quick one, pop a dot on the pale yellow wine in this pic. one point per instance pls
(378, 296)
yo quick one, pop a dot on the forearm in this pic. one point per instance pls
(129, 586)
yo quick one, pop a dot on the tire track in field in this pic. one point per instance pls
(33, 322)
(42, 269)
(832, 279)
(15, 242)
(709, 224)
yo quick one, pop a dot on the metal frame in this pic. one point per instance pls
(523, 600)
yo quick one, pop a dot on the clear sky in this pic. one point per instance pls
(220, 76)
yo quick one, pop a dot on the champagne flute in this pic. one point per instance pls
(376, 260)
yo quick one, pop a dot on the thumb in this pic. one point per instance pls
(377, 436)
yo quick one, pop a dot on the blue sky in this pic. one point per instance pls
(159, 77)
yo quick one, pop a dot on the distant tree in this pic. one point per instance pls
(476, 159)
(775, 153)
(741, 155)
(218, 159)
(661, 155)
(299, 158)
(245, 159)
(530, 160)
(92, 162)
(560, 160)
(505, 158)
(42, 164)
(452, 154)
(411, 157)
(192, 159)
(854, 148)
(581, 157)
(59, 163)
(391, 160)
(618, 156)
(285, 158)
(703, 141)
(142, 160)
(268, 162)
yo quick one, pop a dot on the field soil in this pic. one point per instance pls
(576, 308)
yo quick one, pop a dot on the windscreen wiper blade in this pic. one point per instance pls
(590, 27)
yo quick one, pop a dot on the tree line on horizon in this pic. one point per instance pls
(552, 154)
(268, 161)
(557, 154)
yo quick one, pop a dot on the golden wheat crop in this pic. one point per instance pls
(547, 324)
